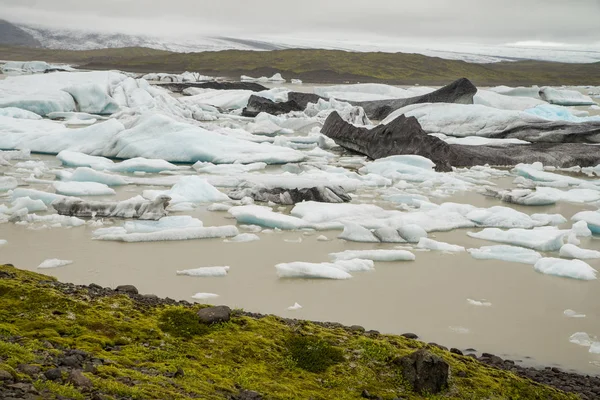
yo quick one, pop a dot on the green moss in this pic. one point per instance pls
(181, 322)
(142, 348)
(313, 354)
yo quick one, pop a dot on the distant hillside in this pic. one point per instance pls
(12, 35)
(321, 66)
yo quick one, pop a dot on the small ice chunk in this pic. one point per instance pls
(7, 183)
(575, 269)
(431, 244)
(595, 348)
(388, 235)
(572, 251)
(580, 229)
(311, 270)
(412, 233)
(189, 189)
(581, 339)
(143, 164)
(374, 255)
(185, 233)
(54, 263)
(295, 307)
(76, 159)
(355, 233)
(592, 218)
(205, 272)
(242, 238)
(3, 242)
(478, 303)
(322, 238)
(218, 207)
(506, 253)
(82, 189)
(573, 314)
(204, 296)
(459, 329)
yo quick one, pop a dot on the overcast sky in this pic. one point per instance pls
(489, 21)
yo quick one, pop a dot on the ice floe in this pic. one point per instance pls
(82, 189)
(479, 303)
(573, 314)
(506, 253)
(572, 251)
(374, 255)
(54, 263)
(430, 244)
(205, 272)
(541, 239)
(575, 269)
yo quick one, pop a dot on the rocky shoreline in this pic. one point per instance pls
(585, 386)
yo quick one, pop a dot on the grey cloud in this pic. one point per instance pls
(483, 20)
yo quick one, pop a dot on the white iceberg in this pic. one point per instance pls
(506, 253)
(189, 189)
(572, 251)
(296, 306)
(374, 255)
(205, 272)
(85, 174)
(581, 339)
(82, 189)
(575, 269)
(478, 303)
(356, 233)
(243, 238)
(573, 314)
(431, 244)
(204, 296)
(311, 270)
(54, 263)
(565, 97)
(591, 218)
(541, 239)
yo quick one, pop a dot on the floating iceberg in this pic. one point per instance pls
(136, 207)
(296, 306)
(204, 296)
(565, 97)
(572, 251)
(479, 303)
(501, 101)
(506, 253)
(54, 263)
(431, 244)
(573, 314)
(243, 238)
(144, 165)
(77, 159)
(126, 234)
(14, 112)
(82, 189)
(592, 218)
(541, 239)
(189, 189)
(264, 216)
(7, 183)
(85, 174)
(275, 78)
(374, 255)
(311, 270)
(356, 233)
(581, 339)
(205, 272)
(575, 269)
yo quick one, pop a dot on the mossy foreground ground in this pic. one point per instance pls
(143, 350)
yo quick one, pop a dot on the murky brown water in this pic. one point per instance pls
(427, 297)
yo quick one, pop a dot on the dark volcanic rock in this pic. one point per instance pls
(214, 315)
(302, 99)
(53, 374)
(79, 380)
(426, 372)
(410, 336)
(322, 194)
(257, 104)
(247, 395)
(5, 376)
(405, 136)
(460, 91)
(179, 87)
(31, 370)
(128, 289)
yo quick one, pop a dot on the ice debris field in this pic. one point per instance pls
(120, 158)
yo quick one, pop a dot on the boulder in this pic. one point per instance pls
(79, 380)
(127, 289)
(214, 315)
(424, 371)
